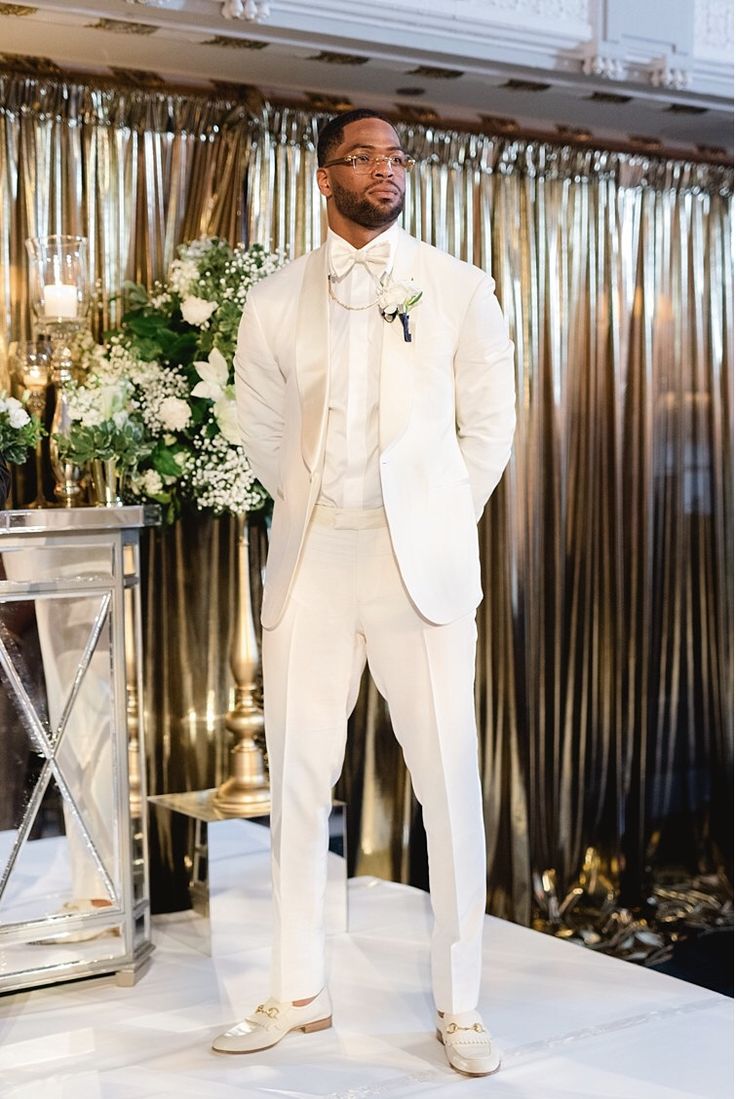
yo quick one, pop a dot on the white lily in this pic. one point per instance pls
(226, 414)
(214, 374)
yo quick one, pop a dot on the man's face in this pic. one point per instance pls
(373, 200)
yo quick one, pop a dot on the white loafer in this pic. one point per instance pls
(272, 1021)
(468, 1044)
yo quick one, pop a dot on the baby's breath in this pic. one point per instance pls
(154, 355)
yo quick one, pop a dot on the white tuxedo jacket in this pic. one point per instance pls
(446, 419)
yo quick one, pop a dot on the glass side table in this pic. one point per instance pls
(250, 842)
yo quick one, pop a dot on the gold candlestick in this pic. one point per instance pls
(29, 380)
(247, 787)
(67, 474)
(35, 382)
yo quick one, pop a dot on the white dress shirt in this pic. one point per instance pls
(351, 477)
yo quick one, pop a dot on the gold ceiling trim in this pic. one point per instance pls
(138, 78)
(499, 124)
(319, 101)
(17, 9)
(248, 94)
(417, 113)
(715, 152)
(225, 41)
(609, 97)
(650, 144)
(432, 72)
(685, 108)
(121, 26)
(31, 66)
(331, 58)
(573, 133)
(515, 85)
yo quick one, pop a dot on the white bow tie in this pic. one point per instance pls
(343, 257)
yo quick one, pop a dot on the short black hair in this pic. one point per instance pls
(333, 131)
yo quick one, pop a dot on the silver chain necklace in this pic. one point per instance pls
(351, 308)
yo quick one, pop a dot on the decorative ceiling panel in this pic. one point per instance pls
(608, 67)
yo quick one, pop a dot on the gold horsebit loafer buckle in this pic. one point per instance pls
(478, 1027)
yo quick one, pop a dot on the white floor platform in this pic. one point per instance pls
(571, 1024)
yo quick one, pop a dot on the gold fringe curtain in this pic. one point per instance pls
(605, 656)
(136, 172)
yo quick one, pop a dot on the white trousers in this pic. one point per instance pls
(348, 604)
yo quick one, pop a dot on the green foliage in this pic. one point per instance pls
(15, 442)
(128, 444)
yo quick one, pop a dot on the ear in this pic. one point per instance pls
(323, 182)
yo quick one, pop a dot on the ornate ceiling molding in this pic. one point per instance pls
(255, 11)
(586, 64)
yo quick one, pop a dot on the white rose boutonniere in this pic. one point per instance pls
(395, 299)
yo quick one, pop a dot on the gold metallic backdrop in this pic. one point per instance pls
(605, 655)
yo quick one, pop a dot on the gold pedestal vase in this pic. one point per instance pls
(106, 480)
(246, 788)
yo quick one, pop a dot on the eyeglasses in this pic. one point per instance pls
(364, 165)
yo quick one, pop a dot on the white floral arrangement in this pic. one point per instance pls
(174, 351)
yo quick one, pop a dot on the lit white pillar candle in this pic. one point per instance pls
(59, 300)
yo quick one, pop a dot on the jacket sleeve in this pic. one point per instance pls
(260, 390)
(485, 399)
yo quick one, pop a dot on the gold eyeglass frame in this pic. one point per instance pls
(373, 162)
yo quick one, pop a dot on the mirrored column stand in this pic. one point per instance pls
(74, 894)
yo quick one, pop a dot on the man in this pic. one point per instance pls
(380, 437)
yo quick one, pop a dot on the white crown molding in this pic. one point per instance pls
(641, 46)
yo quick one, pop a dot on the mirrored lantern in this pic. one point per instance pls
(59, 278)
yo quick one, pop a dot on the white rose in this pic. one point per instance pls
(17, 414)
(174, 413)
(396, 294)
(152, 483)
(197, 311)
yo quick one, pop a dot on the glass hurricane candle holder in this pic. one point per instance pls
(59, 279)
(59, 294)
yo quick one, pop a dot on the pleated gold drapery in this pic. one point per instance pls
(605, 659)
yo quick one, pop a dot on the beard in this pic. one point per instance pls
(363, 210)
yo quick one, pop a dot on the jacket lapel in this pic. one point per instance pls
(313, 355)
(398, 358)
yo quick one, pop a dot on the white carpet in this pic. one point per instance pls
(570, 1023)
